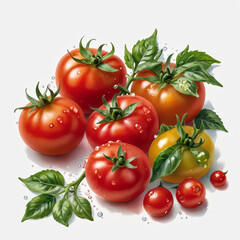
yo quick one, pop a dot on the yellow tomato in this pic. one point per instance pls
(188, 166)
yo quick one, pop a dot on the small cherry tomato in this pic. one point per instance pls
(191, 193)
(218, 178)
(158, 202)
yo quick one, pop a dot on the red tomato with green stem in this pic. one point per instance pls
(86, 74)
(158, 201)
(118, 172)
(218, 178)
(51, 125)
(131, 119)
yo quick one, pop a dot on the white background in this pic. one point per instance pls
(36, 34)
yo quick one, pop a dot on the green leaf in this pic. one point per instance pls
(85, 53)
(167, 64)
(62, 211)
(146, 66)
(129, 61)
(210, 120)
(106, 67)
(46, 181)
(82, 207)
(101, 111)
(164, 128)
(105, 102)
(39, 207)
(146, 49)
(166, 162)
(192, 56)
(185, 67)
(180, 130)
(31, 99)
(129, 109)
(185, 86)
(109, 54)
(106, 120)
(99, 51)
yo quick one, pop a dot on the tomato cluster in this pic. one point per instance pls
(145, 111)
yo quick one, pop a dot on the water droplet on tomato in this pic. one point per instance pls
(74, 109)
(144, 219)
(51, 125)
(132, 94)
(89, 197)
(118, 141)
(167, 200)
(99, 176)
(181, 199)
(150, 193)
(120, 68)
(199, 203)
(166, 212)
(138, 126)
(79, 165)
(99, 214)
(149, 119)
(60, 119)
(141, 131)
(155, 136)
(113, 183)
(205, 165)
(78, 72)
(196, 189)
(96, 148)
(146, 110)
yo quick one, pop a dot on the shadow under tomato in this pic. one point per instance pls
(197, 211)
(71, 162)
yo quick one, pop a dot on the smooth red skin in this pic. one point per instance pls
(124, 184)
(86, 84)
(191, 193)
(168, 101)
(218, 178)
(158, 202)
(124, 129)
(36, 132)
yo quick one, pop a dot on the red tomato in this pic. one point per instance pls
(158, 202)
(123, 184)
(167, 101)
(53, 129)
(138, 128)
(218, 178)
(86, 84)
(191, 193)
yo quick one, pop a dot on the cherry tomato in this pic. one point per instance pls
(158, 202)
(188, 167)
(86, 84)
(53, 129)
(123, 184)
(167, 101)
(138, 128)
(191, 193)
(218, 178)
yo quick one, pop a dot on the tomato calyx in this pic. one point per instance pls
(114, 112)
(120, 160)
(43, 99)
(94, 60)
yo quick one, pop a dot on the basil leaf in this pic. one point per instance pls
(164, 128)
(82, 207)
(192, 56)
(167, 64)
(146, 49)
(185, 86)
(46, 181)
(146, 66)
(129, 109)
(129, 61)
(39, 207)
(109, 54)
(106, 67)
(62, 211)
(200, 74)
(210, 120)
(181, 69)
(166, 162)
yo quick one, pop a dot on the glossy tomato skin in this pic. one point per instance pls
(188, 166)
(138, 128)
(86, 84)
(53, 129)
(218, 178)
(191, 193)
(158, 202)
(167, 101)
(124, 184)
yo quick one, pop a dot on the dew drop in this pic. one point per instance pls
(120, 68)
(51, 125)
(96, 148)
(25, 197)
(96, 171)
(118, 141)
(64, 111)
(113, 183)
(165, 48)
(199, 203)
(89, 197)
(149, 119)
(132, 94)
(74, 109)
(95, 128)
(138, 126)
(79, 165)
(180, 213)
(78, 72)
(141, 131)
(166, 212)
(53, 78)
(60, 119)
(150, 193)
(155, 136)
(99, 214)
(181, 199)
(99, 176)
(167, 200)
(144, 219)
(146, 110)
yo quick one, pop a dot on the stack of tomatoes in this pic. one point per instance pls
(130, 115)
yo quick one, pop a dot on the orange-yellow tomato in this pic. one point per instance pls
(188, 166)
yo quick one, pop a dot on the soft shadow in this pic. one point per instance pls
(168, 218)
(210, 70)
(70, 162)
(223, 188)
(208, 105)
(197, 211)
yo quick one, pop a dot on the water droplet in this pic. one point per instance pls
(149, 119)
(25, 197)
(118, 141)
(43, 86)
(94, 206)
(166, 212)
(16, 122)
(144, 219)
(89, 197)
(155, 136)
(113, 183)
(74, 109)
(205, 165)
(167, 200)
(99, 176)
(180, 213)
(96, 171)
(150, 193)
(60, 119)
(99, 214)
(120, 68)
(138, 126)
(53, 78)
(132, 94)
(78, 72)
(95, 128)
(87, 193)
(199, 203)
(196, 189)
(165, 48)
(51, 125)
(146, 110)
(96, 148)
(141, 131)
(79, 165)
(181, 199)
(64, 111)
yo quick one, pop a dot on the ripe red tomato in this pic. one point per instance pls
(158, 202)
(191, 193)
(218, 178)
(53, 129)
(123, 184)
(86, 84)
(138, 128)
(168, 101)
